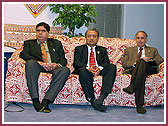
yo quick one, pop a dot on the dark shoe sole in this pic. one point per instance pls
(98, 107)
(41, 109)
(46, 110)
(141, 110)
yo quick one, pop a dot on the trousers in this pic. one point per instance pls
(139, 75)
(59, 77)
(86, 80)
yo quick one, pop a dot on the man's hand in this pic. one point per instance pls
(95, 70)
(48, 66)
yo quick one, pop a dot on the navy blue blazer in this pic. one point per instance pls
(32, 50)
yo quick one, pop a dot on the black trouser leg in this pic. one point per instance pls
(86, 81)
(109, 75)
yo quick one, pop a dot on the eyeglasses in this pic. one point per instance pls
(41, 31)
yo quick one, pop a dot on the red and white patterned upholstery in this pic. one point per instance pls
(16, 88)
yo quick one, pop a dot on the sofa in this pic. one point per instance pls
(16, 89)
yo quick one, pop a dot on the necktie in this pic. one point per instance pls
(44, 53)
(92, 61)
(140, 53)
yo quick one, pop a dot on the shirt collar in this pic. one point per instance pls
(142, 47)
(90, 47)
(38, 42)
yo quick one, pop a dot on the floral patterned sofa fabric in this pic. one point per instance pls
(15, 35)
(17, 91)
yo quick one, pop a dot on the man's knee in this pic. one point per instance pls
(85, 72)
(141, 61)
(82, 70)
(31, 62)
(63, 70)
(66, 70)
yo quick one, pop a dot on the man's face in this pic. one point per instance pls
(141, 39)
(91, 38)
(41, 33)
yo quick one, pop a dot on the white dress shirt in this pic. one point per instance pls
(143, 54)
(89, 50)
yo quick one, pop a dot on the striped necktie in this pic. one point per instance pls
(44, 53)
(92, 61)
(140, 53)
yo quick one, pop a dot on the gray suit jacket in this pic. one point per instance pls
(130, 56)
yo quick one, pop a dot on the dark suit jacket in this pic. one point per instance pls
(81, 57)
(130, 56)
(32, 50)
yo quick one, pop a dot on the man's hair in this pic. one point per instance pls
(92, 29)
(143, 32)
(43, 24)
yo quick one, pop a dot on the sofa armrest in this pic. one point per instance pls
(161, 67)
(120, 69)
(14, 64)
(15, 61)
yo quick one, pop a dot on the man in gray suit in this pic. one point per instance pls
(140, 61)
(44, 54)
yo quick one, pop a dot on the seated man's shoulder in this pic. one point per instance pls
(101, 47)
(151, 47)
(130, 48)
(30, 40)
(81, 46)
(53, 40)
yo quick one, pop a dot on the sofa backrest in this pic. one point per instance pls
(115, 46)
(15, 35)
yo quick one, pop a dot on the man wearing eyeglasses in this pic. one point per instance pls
(44, 54)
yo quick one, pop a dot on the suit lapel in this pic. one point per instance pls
(135, 54)
(50, 46)
(97, 52)
(147, 51)
(37, 48)
(85, 53)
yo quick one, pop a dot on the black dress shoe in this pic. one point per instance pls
(99, 107)
(101, 99)
(141, 109)
(37, 106)
(45, 103)
(129, 89)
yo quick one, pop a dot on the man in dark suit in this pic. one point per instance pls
(92, 60)
(140, 61)
(44, 54)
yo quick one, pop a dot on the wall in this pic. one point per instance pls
(147, 17)
(19, 14)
